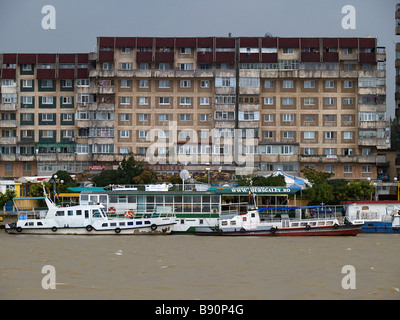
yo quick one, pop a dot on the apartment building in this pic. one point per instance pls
(300, 102)
(397, 93)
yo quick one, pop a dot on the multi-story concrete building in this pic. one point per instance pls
(397, 93)
(302, 102)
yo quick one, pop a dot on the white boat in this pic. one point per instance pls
(87, 220)
(379, 216)
(250, 224)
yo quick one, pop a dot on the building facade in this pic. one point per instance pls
(397, 93)
(283, 103)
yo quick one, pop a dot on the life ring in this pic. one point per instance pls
(129, 214)
(89, 228)
(153, 227)
(117, 230)
(54, 229)
(112, 210)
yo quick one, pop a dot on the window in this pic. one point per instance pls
(163, 84)
(309, 135)
(47, 117)
(287, 101)
(268, 84)
(348, 101)
(126, 66)
(186, 50)
(287, 134)
(309, 151)
(288, 117)
(309, 84)
(143, 83)
(330, 168)
(366, 169)
(47, 100)
(329, 135)
(348, 169)
(124, 116)
(309, 101)
(143, 117)
(204, 101)
(67, 117)
(204, 83)
(143, 133)
(125, 83)
(185, 101)
(348, 135)
(268, 100)
(125, 100)
(268, 117)
(348, 84)
(224, 115)
(249, 115)
(288, 84)
(288, 50)
(163, 117)
(204, 117)
(124, 134)
(164, 100)
(184, 117)
(185, 83)
(329, 84)
(143, 100)
(329, 101)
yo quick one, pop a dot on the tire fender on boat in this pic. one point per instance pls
(153, 227)
(54, 229)
(19, 229)
(242, 230)
(117, 230)
(89, 228)
(308, 227)
(273, 230)
(335, 226)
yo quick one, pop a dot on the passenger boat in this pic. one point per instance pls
(194, 205)
(379, 216)
(250, 224)
(87, 220)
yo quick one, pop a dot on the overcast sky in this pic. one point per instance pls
(79, 22)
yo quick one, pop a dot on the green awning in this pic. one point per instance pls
(254, 190)
(30, 198)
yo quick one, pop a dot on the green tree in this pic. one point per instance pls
(260, 181)
(9, 195)
(321, 191)
(68, 182)
(36, 190)
(316, 177)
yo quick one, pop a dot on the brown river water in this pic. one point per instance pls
(193, 267)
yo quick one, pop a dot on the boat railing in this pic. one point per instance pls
(198, 186)
(36, 214)
(140, 215)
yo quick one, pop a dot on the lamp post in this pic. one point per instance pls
(55, 182)
(398, 187)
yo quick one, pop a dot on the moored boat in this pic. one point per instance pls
(87, 220)
(250, 224)
(379, 216)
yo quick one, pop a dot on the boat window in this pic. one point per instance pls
(132, 199)
(130, 223)
(121, 224)
(139, 223)
(113, 199)
(84, 197)
(303, 224)
(244, 218)
(253, 215)
(29, 223)
(233, 223)
(122, 199)
(295, 224)
(93, 198)
(39, 223)
(147, 222)
(321, 223)
(182, 221)
(313, 223)
(87, 214)
(104, 225)
(224, 223)
(364, 208)
(96, 213)
(60, 213)
(201, 221)
(78, 212)
(329, 223)
(103, 198)
(70, 212)
(113, 224)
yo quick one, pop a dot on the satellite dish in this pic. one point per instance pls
(268, 35)
(184, 174)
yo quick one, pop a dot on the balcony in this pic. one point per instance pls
(106, 90)
(8, 140)
(224, 123)
(8, 124)
(8, 107)
(372, 124)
